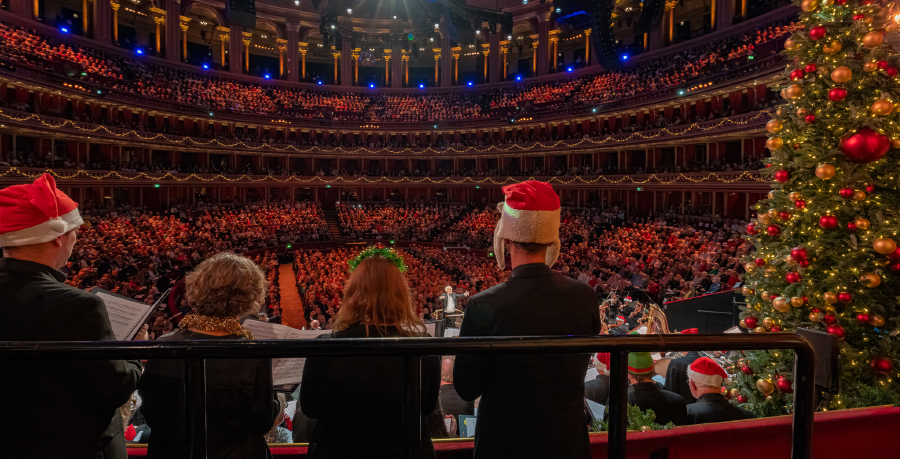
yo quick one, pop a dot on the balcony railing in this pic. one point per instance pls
(195, 353)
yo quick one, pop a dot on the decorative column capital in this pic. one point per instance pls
(553, 34)
(159, 15)
(455, 51)
(115, 6)
(587, 32)
(247, 38)
(387, 54)
(535, 40)
(486, 48)
(670, 4)
(437, 53)
(355, 52)
(282, 45)
(404, 55)
(303, 47)
(184, 23)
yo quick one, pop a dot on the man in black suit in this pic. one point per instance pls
(597, 389)
(668, 406)
(676, 373)
(531, 405)
(38, 228)
(451, 403)
(449, 301)
(706, 378)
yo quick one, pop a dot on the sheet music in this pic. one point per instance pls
(125, 316)
(284, 371)
(598, 411)
(591, 374)
(431, 329)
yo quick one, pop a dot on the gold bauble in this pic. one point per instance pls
(765, 219)
(772, 194)
(794, 91)
(749, 266)
(827, 2)
(809, 5)
(829, 297)
(743, 323)
(870, 67)
(801, 112)
(895, 144)
(832, 47)
(760, 329)
(781, 304)
(771, 271)
(646, 428)
(815, 316)
(768, 322)
(841, 75)
(796, 302)
(772, 213)
(891, 27)
(881, 107)
(774, 143)
(789, 44)
(765, 296)
(870, 280)
(859, 195)
(780, 113)
(746, 290)
(735, 393)
(829, 309)
(825, 171)
(862, 223)
(873, 39)
(790, 260)
(877, 320)
(765, 386)
(774, 126)
(794, 196)
(884, 245)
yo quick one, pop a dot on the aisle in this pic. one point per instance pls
(291, 304)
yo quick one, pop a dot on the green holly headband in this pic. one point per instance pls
(389, 254)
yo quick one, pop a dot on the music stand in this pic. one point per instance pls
(828, 365)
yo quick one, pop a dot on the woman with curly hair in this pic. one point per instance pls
(240, 399)
(338, 390)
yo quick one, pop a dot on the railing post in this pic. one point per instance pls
(804, 403)
(412, 405)
(195, 407)
(618, 404)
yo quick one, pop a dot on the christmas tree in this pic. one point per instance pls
(826, 238)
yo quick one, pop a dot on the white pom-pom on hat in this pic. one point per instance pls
(58, 225)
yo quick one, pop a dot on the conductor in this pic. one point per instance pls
(450, 299)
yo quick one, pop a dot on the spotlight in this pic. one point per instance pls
(372, 85)
(569, 69)
(349, 10)
(593, 110)
(681, 92)
(395, 17)
(421, 86)
(509, 37)
(518, 77)
(559, 10)
(477, 32)
(267, 76)
(155, 185)
(64, 29)
(435, 126)
(470, 83)
(297, 2)
(431, 39)
(624, 57)
(319, 82)
(206, 66)
(437, 26)
(210, 113)
(332, 26)
(139, 51)
(524, 2)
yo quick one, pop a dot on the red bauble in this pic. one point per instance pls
(775, 329)
(751, 229)
(783, 385)
(844, 297)
(773, 230)
(752, 322)
(810, 68)
(800, 204)
(865, 146)
(782, 176)
(804, 264)
(892, 71)
(857, 17)
(895, 255)
(828, 221)
(840, 2)
(810, 119)
(799, 253)
(881, 365)
(837, 94)
(895, 267)
(863, 318)
(742, 398)
(851, 227)
(792, 277)
(796, 75)
(870, 188)
(837, 330)
(805, 299)
(784, 215)
(846, 193)
(760, 261)
(829, 319)
(746, 370)
(817, 33)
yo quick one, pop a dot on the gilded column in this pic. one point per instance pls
(337, 57)
(670, 10)
(159, 17)
(534, 45)
(387, 67)
(282, 49)
(486, 50)
(303, 50)
(355, 56)
(437, 57)
(222, 32)
(184, 28)
(554, 45)
(587, 46)
(504, 57)
(247, 38)
(84, 17)
(405, 62)
(115, 18)
(455, 52)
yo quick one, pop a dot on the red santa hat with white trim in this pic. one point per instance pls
(706, 372)
(530, 213)
(36, 213)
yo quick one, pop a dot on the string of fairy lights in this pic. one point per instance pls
(694, 127)
(710, 177)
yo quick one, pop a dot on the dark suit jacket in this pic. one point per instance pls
(676, 376)
(714, 408)
(457, 298)
(453, 405)
(668, 406)
(84, 394)
(597, 389)
(358, 402)
(240, 404)
(531, 405)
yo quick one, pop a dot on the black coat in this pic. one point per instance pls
(531, 405)
(676, 376)
(363, 397)
(240, 404)
(82, 395)
(443, 299)
(597, 389)
(452, 404)
(714, 408)
(668, 406)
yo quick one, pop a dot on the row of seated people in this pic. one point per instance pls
(406, 221)
(194, 90)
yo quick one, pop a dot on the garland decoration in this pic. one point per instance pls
(390, 255)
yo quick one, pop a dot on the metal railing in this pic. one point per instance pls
(195, 353)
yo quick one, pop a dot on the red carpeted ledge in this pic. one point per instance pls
(861, 433)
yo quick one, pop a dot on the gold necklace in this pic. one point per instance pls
(228, 325)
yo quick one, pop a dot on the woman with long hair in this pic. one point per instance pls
(361, 397)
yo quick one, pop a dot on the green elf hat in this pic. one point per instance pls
(640, 363)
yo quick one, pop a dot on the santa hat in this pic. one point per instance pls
(706, 372)
(36, 213)
(620, 319)
(601, 361)
(530, 213)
